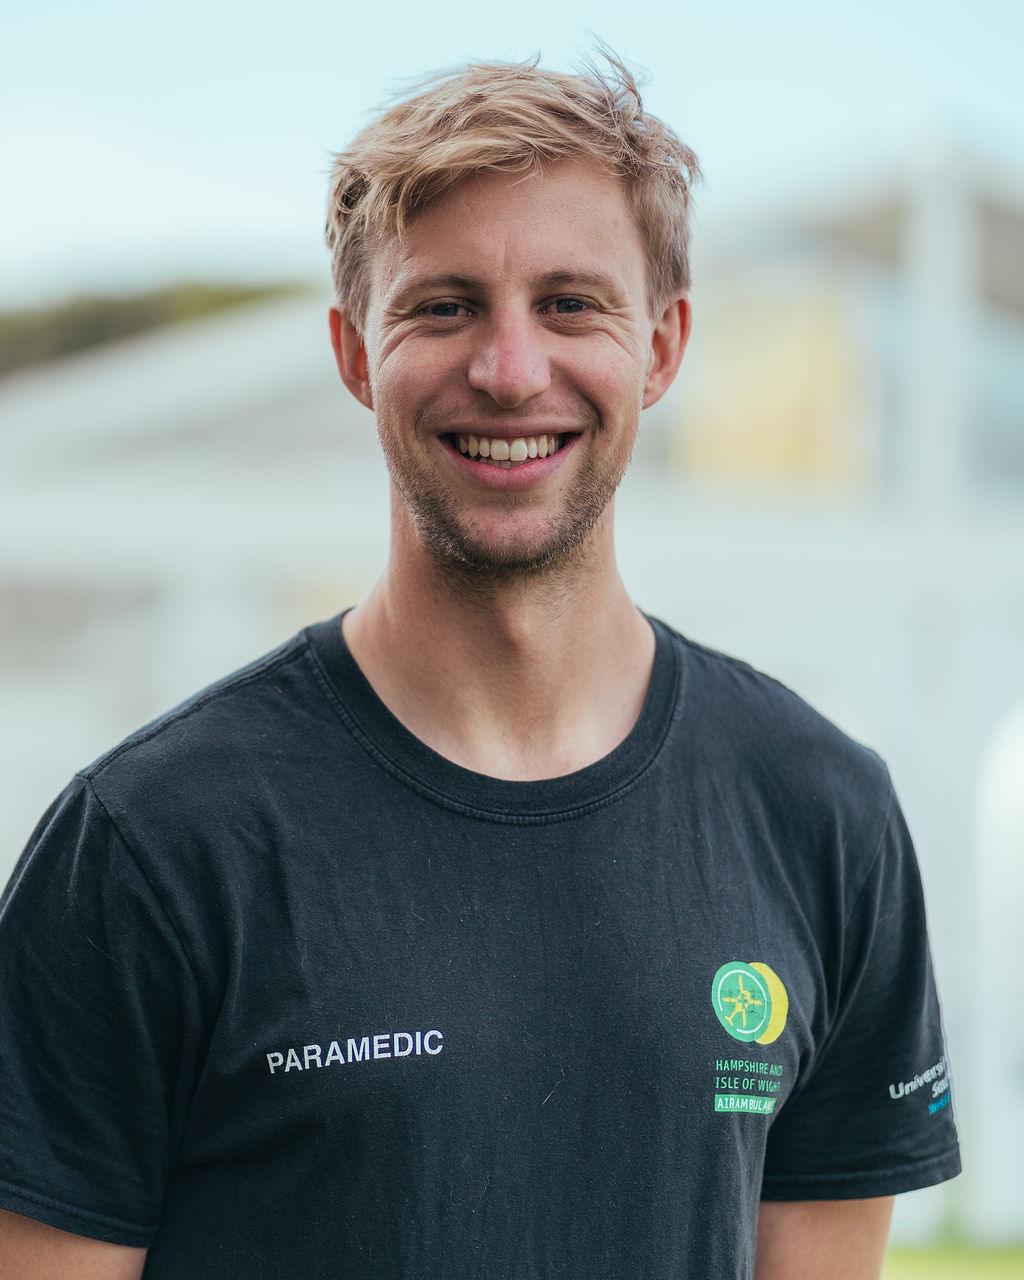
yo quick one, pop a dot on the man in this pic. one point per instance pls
(492, 930)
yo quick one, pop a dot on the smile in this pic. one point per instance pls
(500, 452)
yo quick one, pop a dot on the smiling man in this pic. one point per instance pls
(511, 326)
(491, 928)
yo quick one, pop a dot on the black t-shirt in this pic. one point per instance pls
(285, 993)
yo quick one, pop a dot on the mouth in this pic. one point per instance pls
(499, 451)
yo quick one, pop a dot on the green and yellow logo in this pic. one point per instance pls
(750, 1001)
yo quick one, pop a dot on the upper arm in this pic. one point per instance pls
(887, 1127)
(95, 1000)
(32, 1250)
(807, 1239)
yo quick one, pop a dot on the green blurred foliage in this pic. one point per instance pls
(954, 1263)
(30, 337)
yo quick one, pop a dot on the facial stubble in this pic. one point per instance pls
(469, 563)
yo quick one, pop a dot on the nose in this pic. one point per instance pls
(509, 362)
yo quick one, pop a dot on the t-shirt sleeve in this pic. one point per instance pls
(871, 1114)
(95, 1001)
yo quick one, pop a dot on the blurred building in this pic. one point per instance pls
(834, 491)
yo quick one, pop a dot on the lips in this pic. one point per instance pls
(499, 451)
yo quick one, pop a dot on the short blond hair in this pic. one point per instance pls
(510, 117)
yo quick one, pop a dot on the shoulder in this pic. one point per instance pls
(764, 744)
(226, 736)
(739, 708)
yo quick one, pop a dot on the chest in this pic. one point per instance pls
(586, 969)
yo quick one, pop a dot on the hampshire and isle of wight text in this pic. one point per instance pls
(743, 1084)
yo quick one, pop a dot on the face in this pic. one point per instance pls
(507, 353)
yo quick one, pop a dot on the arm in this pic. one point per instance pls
(31, 1250)
(92, 979)
(807, 1239)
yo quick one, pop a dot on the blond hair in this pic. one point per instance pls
(510, 117)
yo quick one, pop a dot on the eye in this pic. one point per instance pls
(444, 310)
(567, 306)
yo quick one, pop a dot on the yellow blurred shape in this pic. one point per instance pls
(780, 395)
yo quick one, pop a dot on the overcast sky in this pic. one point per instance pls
(140, 144)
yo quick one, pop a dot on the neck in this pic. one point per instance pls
(528, 677)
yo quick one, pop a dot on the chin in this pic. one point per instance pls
(458, 552)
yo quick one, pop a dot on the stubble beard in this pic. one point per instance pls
(469, 564)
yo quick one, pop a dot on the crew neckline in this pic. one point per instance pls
(412, 762)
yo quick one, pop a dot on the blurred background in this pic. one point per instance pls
(834, 489)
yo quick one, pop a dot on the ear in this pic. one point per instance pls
(350, 355)
(668, 342)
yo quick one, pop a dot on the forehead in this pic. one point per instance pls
(573, 218)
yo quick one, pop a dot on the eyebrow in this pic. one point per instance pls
(445, 283)
(580, 280)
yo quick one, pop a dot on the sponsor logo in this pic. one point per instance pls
(750, 1001)
(935, 1076)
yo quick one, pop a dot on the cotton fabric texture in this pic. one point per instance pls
(286, 993)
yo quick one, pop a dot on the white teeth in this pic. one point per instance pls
(507, 453)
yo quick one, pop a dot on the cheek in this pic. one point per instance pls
(389, 381)
(618, 384)
(408, 370)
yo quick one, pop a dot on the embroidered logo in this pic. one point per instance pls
(750, 1001)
